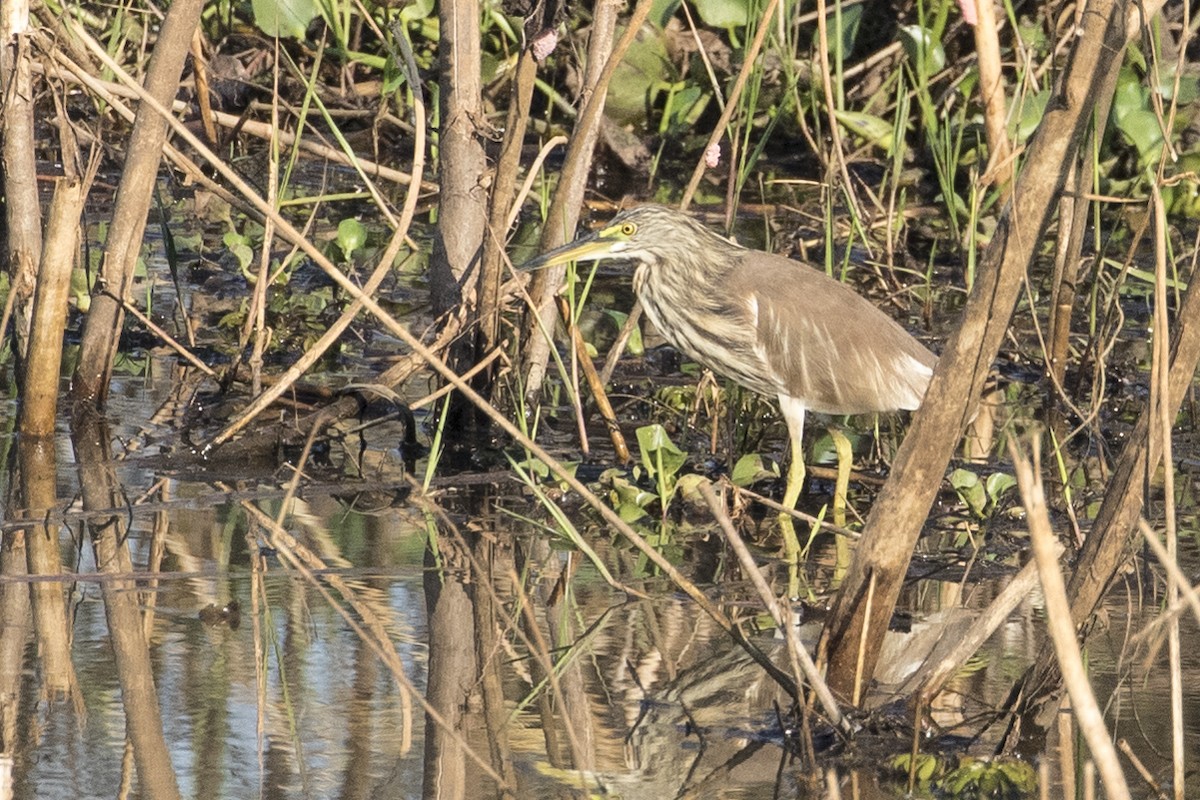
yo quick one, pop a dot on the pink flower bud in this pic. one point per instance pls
(712, 155)
(543, 44)
(969, 11)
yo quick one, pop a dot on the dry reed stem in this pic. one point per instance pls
(831, 106)
(1190, 593)
(1146, 775)
(568, 194)
(43, 357)
(991, 92)
(1160, 393)
(1058, 622)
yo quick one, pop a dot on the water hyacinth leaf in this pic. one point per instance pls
(1141, 129)
(751, 469)
(238, 245)
(999, 484)
(1182, 196)
(876, 130)
(283, 18)
(970, 489)
(655, 444)
(416, 10)
(723, 13)
(629, 501)
(645, 70)
(1033, 110)
(926, 54)
(851, 21)
(635, 346)
(1130, 95)
(689, 487)
(661, 12)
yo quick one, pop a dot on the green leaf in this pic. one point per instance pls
(723, 13)
(634, 346)
(351, 235)
(284, 18)
(750, 469)
(416, 10)
(655, 443)
(1142, 129)
(1130, 95)
(876, 130)
(969, 489)
(1033, 110)
(643, 71)
(926, 53)
(999, 484)
(689, 486)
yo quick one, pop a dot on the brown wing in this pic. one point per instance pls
(824, 344)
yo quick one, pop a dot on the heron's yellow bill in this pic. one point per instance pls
(591, 248)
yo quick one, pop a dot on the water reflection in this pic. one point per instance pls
(363, 662)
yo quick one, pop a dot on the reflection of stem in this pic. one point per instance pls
(39, 494)
(14, 628)
(803, 668)
(143, 718)
(304, 561)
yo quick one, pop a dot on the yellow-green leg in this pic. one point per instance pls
(793, 414)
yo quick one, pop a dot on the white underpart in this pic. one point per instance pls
(915, 367)
(793, 413)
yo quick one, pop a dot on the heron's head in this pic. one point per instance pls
(648, 234)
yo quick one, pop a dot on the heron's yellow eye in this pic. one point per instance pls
(628, 229)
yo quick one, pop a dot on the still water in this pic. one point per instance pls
(338, 657)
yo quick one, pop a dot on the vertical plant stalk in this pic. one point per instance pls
(504, 188)
(203, 92)
(1058, 621)
(255, 327)
(1160, 400)
(43, 362)
(991, 92)
(1071, 234)
(102, 329)
(832, 105)
(22, 209)
(462, 207)
(603, 60)
(900, 510)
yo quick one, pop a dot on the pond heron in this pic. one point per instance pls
(767, 322)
